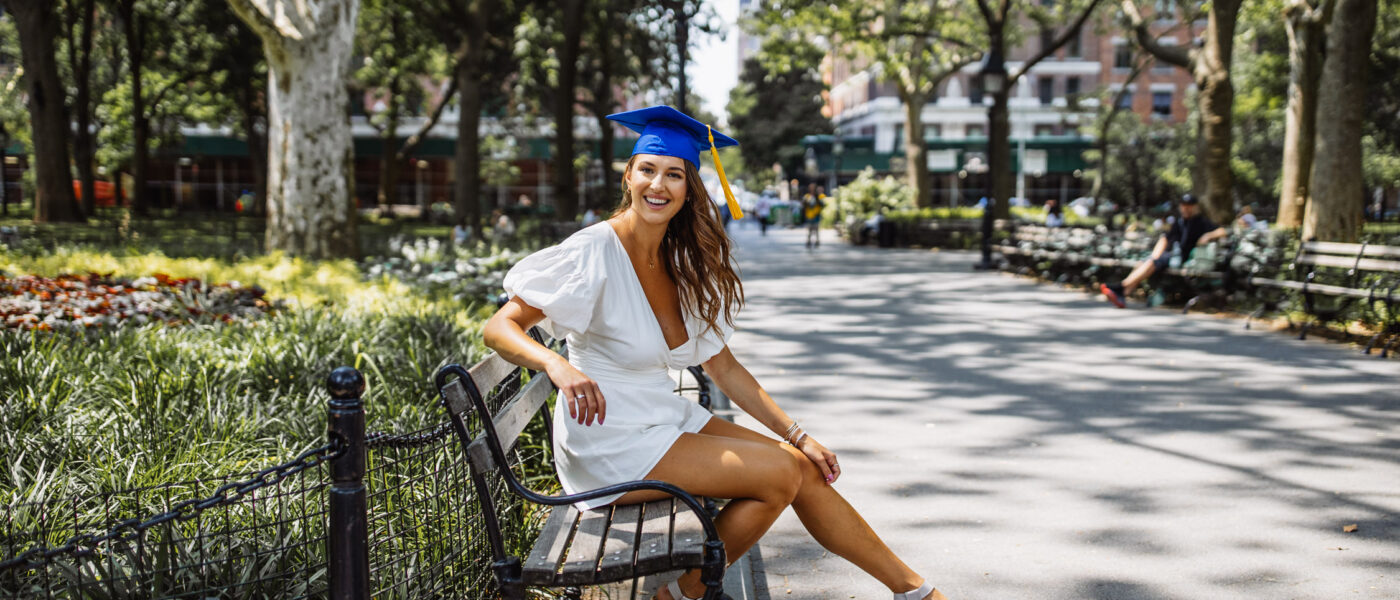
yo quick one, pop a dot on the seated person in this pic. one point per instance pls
(1054, 217)
(1191, 229)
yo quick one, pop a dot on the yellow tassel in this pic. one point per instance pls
(734, 210)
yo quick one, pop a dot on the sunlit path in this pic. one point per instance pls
(1016, 440)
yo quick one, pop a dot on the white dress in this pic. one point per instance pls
(589, 292)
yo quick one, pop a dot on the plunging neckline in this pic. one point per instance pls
(637, 279)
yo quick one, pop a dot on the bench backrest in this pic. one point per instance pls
(1359, 257)
(465, 391)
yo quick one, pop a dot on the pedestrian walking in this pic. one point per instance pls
(812, 216)
(764, 208)
(654, 288)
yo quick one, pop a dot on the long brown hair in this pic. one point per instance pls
(697, 253)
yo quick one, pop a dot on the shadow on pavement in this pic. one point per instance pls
(1213, 454)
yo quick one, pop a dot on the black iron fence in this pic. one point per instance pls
(381, 515)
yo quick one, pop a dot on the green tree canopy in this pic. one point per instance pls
(770, 112)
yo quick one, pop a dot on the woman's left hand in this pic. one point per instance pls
(823, 458)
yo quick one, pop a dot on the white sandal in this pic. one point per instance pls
(675, 588)
(917, 594)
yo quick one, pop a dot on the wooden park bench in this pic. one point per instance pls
(1062, 254)
(575, 548)
(1332, 277)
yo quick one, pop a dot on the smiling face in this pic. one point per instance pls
(656, 187)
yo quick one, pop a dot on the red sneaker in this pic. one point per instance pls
(1114, 295)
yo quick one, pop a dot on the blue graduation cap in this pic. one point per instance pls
(670, 132)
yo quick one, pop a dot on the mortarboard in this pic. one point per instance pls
(670, 132)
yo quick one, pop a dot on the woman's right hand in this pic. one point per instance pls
(582, 394)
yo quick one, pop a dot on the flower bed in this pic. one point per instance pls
(94, 300)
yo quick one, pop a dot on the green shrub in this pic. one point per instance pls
(866, 196)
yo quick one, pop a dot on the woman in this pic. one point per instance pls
(653, 288)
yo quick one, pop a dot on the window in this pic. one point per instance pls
(1125, 101)
(977, 130)
(1044, 129)
(1047, 38)
(1047, 89)
(1071, 87)
(1122, 56)
(933, 131)
(1164, 9)
(1161, 104)
(974, 90)
(1076, 47)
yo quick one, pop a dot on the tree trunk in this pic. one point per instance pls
(38, 27)
(4, 193)
(1305, 39)
(1335, 212)
(389, 141)
(140, 125)
(80, 61)
(311, 203)
(605, 150)
(682, 54)
(1217, 99)
(467, 162)
(602, 96)
(915, 151)
(388, 180)
(999, 173)
(1210, 69)
(257, 148)
(1105, 127)
(565, 188)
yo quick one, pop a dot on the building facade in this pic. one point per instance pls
(1051, 108)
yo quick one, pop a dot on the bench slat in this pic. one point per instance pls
(1320, 288)
(1345, 262)
(1278, 283)
(1350, 249)
(620, 547)
(511, 421)
(542, 565)
(654, 544)
(1337, 290)
(687, 538)
(490, 372)
(581, 566)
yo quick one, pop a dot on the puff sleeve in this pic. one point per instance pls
(709, 343)
(563, 281)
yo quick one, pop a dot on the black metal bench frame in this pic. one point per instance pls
(1355, 261)
(554, 561)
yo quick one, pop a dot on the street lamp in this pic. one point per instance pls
(993, 72)
(993, 75)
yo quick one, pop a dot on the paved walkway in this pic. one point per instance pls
(1018, 440)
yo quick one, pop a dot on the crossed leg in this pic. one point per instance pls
(762, 477)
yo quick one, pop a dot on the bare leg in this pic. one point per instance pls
(1139, 275)
(761, 479)
(764, 476)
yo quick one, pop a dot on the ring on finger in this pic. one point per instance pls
(580, 396)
